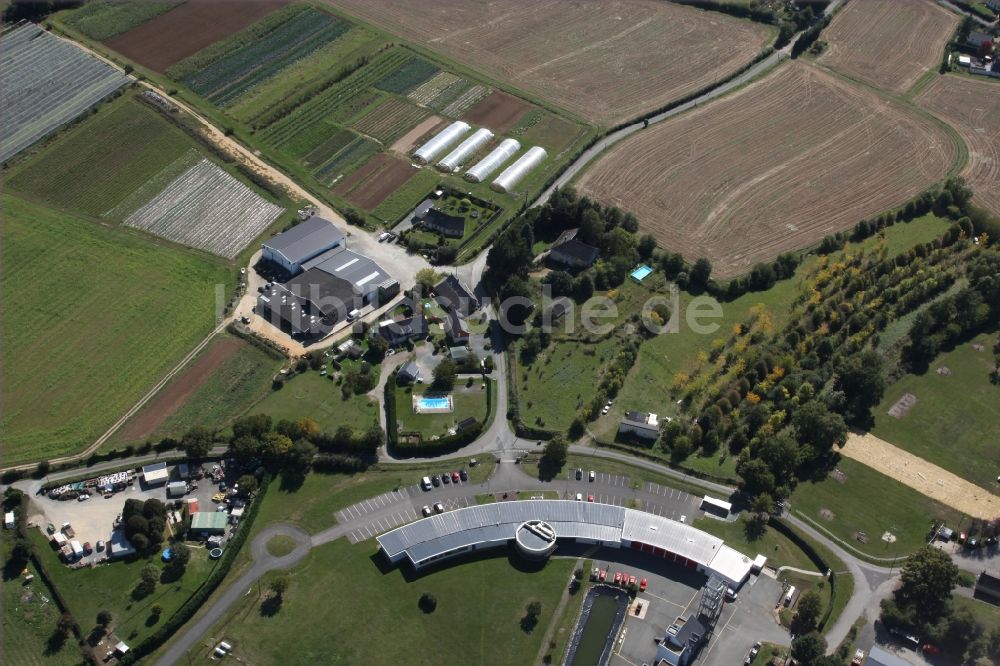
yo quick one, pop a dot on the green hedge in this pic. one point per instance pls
(200, 596)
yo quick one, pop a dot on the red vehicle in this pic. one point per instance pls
(618, 578)
(601, 576)
(631, 582)
(642, 585)
(931, 649)
(454, 476)
(590, 498)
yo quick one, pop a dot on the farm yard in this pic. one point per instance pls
(208, 209)
(970, 106)
(774, 167)
(47, 82)
(887, 43)
(604, 61)
(174, 35)
(118, 311)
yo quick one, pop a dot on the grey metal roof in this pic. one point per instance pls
(676, 537)
(359, 270)
(305, 239)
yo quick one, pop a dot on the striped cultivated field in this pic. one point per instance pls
(972, 107)
(46, 83)
(427, 92)
(888, 43)
(208, 209)
(605, 60)
(390, 119)
(772, 168)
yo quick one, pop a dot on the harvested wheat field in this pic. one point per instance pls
(888, 43)
(605, 60)
(187, 29)
(972, 107)
(772, 168)
(927, 479)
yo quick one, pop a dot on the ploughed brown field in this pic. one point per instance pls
(772, 168)
(605, 60)
(187, 29)
(498, 111)
(972, 107)
(888, 43)
(378, 178)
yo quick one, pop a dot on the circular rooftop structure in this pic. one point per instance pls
(535, 539)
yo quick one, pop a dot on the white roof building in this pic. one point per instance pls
(155, 474)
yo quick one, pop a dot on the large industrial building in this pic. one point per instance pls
(329, 283)
(487, 526)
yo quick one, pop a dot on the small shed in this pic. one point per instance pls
(119, 546)
(8, 520)
(176, 488)
(408, 373)
(192, 504)
(155, 474)
(458, 353)
(121, 648)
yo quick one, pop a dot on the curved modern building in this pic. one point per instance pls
(519, 169)
(440, 141)
(455, 158)
(492, 162)
(534, 526)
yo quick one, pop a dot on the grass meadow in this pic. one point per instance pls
(956, 417)
(475, 613)
(311, 395)
(94, 316)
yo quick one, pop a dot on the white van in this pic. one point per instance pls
(425, 483)
(789, 595)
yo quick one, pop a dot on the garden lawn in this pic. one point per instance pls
(94, 316)
(872, 503)
(317, 397)
(89, 591)
(313, 505)
(29, 620)
(346, 610)
(468, 401)
(96, 164)
(561, 380)
(956, 418)
(986, 614)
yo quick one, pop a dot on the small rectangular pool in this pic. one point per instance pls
(430, 404)
(640, 273)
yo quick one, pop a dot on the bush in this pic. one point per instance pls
(427, 603)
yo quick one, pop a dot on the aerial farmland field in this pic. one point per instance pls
(47, 82)
(888, 43)
(94, 315)
(970, 106)
(605, 61)
(773, 168)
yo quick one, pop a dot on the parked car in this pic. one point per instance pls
(87, 548)
(593, 476)
(425, 483)
(426, 510)
(445, 478)
(455, 477)
(462, 474)
(438, 507)
(643, 584)
(859, 658)
(82, 497)
(579, 473)
(436, 480)
(752, 654)
(100, 546)
(590, 498)
(579, 497)
(731, 594)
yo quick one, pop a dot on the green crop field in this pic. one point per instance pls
(93, 317)
(311, 395)
(468, 401)
(956, 417)
(470, 605)
(97, 164)
(408, 76)
(103, 19)
(88, 591)
(871, 503)
(406, 198)
(29, 621)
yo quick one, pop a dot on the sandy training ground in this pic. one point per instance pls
(972, 107)
(772, 168)
(606, 60)
(888, 43)
(922, 476)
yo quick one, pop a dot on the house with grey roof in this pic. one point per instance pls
(568, 250)
(640, 424)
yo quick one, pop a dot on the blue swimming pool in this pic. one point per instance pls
(641, 272)
(434, 403)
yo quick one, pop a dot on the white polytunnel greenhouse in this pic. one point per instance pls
(516, 171)
(492, 162)
(440, 141)
(454, 159)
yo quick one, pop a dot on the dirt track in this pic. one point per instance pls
(927, 479)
